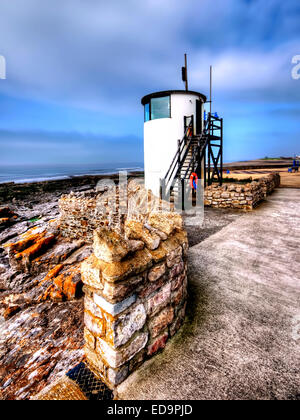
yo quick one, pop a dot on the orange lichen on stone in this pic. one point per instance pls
(52, 273)
(38, 246)
(4, 220)
(66, 286)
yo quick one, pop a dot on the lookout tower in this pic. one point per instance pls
(179, 141)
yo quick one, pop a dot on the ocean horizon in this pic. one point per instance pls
(20, 174)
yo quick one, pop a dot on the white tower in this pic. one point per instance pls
(167, 114)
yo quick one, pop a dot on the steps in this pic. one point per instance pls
(196, 154)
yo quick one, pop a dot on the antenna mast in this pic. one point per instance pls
(185, 73)
(211, 73)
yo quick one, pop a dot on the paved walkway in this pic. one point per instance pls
(240, 339)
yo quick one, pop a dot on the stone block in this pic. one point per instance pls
(150, 288)
(157, 272)
(178, 296)
(116, 292)
(178, 282)
(158, 301)
(94, 324)
(161, 321)
(91, 273)
(119, 271)
(158, 344)
(90, 339)
(118, 357)
(114, 308)
(136, 230)
(176, 270)
(165, 221)
(109, 246)
(116, 376)
(120, 330)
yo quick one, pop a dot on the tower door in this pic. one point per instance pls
(198, 117)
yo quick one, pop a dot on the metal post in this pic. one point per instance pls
(182, 193)
(210, 89)
(221, 151)
(186, 72)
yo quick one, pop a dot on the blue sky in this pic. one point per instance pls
(77, 69)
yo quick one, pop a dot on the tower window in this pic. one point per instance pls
(158, 108)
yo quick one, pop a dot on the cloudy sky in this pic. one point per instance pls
(77, 69)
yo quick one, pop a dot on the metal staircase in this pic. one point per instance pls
(196, 154)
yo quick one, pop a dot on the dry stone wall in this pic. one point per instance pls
(81, 213)
(135, 287)
(238, 196)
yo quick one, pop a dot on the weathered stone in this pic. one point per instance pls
(89, 339)
(176, 270)
(91, 273)
(158, 344)
(156, 272)
(116, 376)
(118, 271)
(136, 230)
(158, 301)
(177, 282)
(161, 321)
(174, 257)
(117, 308)
(94, 324)
(109, 246)
(116, 292)
(95, 362)
(120, 330)
(116, 358)
(178, 296)
(135, 245)
(151, 288)
(165, 221)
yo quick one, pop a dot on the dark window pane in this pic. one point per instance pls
(160, 107)
(147, 112)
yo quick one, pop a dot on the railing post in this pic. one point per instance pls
(179, 157)
(182, 193)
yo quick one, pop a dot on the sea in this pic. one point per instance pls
(37, 173)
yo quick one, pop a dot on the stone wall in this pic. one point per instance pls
(81, 213)
(135, 287)
(238, 196)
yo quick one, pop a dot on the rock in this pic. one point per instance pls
(109, 246)
(93, 270)
(116, 358)
(120, 330)
(136, 230)
(159, 300)
(158, 344)
(116, 376)
(165, 221)
(161, 321)
(114, 309)
(156, 272)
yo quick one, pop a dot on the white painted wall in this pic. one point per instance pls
(161, 137)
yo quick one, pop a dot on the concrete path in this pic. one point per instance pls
(242, 334)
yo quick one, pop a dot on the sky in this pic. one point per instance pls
(76, 71)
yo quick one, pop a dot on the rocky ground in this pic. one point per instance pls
(41, 305)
